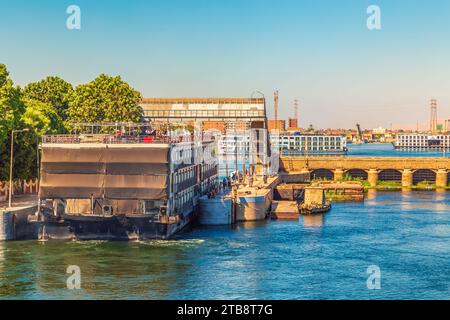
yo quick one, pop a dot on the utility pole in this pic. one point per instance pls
(236, 156)
(296, 110)
(11, 154)
(433, 118)
(275, 105)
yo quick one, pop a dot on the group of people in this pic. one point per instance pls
(135, 133)
(145, 134)
(212, 194)
(223, 186)
(225, 183)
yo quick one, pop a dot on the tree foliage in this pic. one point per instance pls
(4, 74)
(11, 110)
(45, 106)
(106, 99)
(11, 106)
(25, 155)
(53, 91)
(42, 117)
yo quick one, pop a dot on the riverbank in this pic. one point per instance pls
(20, 201)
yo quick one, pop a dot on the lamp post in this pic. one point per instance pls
(38, 211)
(11, 163)
(38, 166)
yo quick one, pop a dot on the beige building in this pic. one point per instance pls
(204, 109)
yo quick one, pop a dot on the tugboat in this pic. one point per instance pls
(311, 209)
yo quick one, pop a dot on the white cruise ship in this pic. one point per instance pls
(302, 144)
(417, 141)
(288, 144)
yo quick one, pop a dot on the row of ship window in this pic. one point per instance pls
(246, 140)
(207, 168)
(204, 113)
(413, 138)
(313, 144)
(186, 176)
(243, 144)
(206, 184)
(446, 137)
(184, 197)
(313, 149)
(312, 138)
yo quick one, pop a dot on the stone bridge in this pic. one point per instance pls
(407, 170)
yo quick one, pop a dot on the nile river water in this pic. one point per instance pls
(405, 234)
(387, 150)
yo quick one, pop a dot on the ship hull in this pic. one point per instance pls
(308, 211)
(421, 148)
(118, 227)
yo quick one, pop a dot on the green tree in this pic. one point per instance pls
(4, 74)
(25, 155)
(43, 106)
(106, 99)
(42, 118)
(11, 106)
(52, 90)
(11, 110)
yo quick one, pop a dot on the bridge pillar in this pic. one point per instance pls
(338, 174)
(407, 178)
(372, 177)
(441, 178)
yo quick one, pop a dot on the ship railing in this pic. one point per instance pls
(105, 139)
(115, 139)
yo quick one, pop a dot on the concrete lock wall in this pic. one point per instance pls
(6, 225)
(14, 224)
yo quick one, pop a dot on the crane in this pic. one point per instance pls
(360, 135)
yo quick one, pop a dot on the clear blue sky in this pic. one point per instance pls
(317, 50)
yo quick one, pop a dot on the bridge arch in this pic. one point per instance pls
(390, 175)
(322, 174)
(357, 173)
(424, 175)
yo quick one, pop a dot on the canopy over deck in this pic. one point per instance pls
(126, 171)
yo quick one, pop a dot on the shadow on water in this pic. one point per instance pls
(313, 221)
(108, 269)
